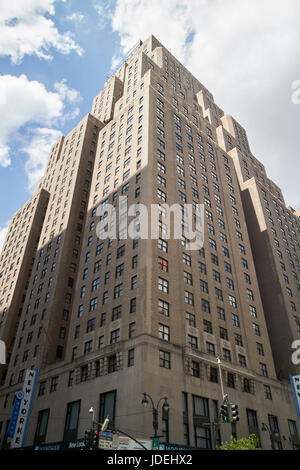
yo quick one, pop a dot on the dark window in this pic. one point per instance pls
(41, 428)
(72, 419)
(108, 406)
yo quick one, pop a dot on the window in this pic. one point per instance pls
(221, 313)
(293, 428)
(202, 268)
(235, 320)
(188, 298)
(207, 327)
(191, 319)
(42, 388)
(163, 308)
(115, 336)
(116, 313)
(118, 290)
(95, 284)
(88, 347)
(165, 359)
(119, 270)
(210, 349)
(232, 301)
(41, 428)
(205, 306)
(203, 286)
(195, 369)
(186, 259)
(94, 304)
(53, 384)
(256, 329)
(263, 369)
(200, 406)
(213, 375)
(230, 380)
(121, 251)
(133, 282)
(188, 278)
(227, 355)
(133, 305)
(219, 294)
(163, 264)
(267, 391)
(163, 285)
(253, 311)
(72, 420)
(242, 360)
(164, 332)
(131, 330)
(192, 342)
(260, 349)
(223, 333)
(107, 406)
(162, 245)
(130, 362)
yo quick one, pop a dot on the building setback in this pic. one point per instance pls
(107, 320)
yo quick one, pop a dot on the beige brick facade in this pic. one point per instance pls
(106, 320)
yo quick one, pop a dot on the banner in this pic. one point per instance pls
(15, 413)
(22, 419)
(295, 381)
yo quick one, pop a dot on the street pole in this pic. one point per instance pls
(213, 435)
(155, 422)
(221, 379)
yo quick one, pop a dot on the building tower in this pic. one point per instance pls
(106, 320)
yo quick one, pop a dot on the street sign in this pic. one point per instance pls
(295, 381)
(155, 443)
(126, 443)
(105, 444)
(105, 440)
(105, 435)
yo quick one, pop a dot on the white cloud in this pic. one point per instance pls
(25, 101)
(66, 93)
(3, 232)
(26, 29)
(116, 61)
(245, 53)
(38, 151)
(77, 17)
(29, 103)
(103, 9)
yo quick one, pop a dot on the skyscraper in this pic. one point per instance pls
(106, 320)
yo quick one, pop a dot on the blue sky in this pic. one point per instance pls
(55, 56)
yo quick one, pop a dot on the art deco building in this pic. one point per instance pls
(107, 320)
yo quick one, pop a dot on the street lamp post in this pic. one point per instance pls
(264, 427)
(165, 407)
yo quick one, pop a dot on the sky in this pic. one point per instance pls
(55, 56)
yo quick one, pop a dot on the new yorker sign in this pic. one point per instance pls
(20, 418)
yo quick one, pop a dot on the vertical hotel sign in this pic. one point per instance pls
(22, 420)
(295, 381)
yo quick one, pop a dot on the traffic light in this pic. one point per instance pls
(234, 413)
(225, 412)
(95, 439)
(88, 438)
